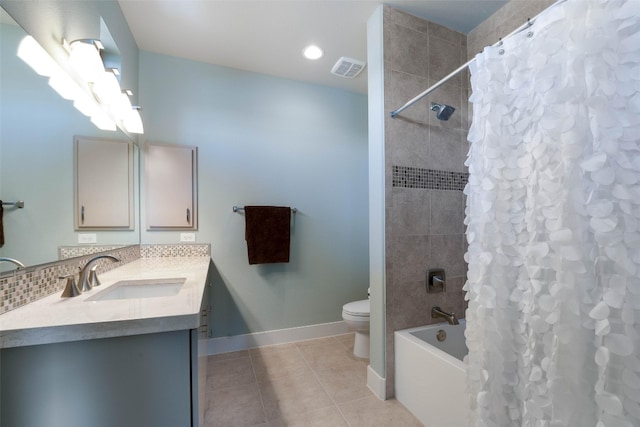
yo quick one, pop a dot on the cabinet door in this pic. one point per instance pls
(170, 187)
(104, 184)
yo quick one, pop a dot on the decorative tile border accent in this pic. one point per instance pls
(408, 177)
(21, 287)
(175, 250)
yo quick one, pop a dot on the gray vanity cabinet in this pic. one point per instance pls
(133, 381)
(147, 380)
(103, 184)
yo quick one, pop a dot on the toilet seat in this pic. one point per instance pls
(358, 309)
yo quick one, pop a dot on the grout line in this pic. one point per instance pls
(313, 371)
(255, 377)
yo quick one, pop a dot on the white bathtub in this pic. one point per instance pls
(430, 376)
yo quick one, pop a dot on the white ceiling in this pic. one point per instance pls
(267, 36)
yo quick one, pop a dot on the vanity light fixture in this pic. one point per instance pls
(106, 87)
(312, 52)
(85, 59)
(102, 120)
(101, 99)
(132, 121)
(122, 104)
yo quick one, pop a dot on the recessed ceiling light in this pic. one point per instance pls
(312, 52)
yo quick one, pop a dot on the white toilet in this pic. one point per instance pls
(356, 316)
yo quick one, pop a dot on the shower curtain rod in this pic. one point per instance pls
(522, 27)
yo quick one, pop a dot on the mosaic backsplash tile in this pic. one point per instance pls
(175, 250)
(409, 177)
(21, 287)
(66, 252)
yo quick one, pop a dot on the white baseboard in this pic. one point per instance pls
(280, 336)
(376, 383)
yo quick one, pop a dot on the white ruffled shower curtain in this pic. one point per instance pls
(553, 222)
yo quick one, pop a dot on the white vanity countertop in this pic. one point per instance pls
(54, 319)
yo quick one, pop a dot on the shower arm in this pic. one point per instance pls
(522, 27)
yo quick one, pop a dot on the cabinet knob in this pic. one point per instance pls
(82, 214)
(188, 216)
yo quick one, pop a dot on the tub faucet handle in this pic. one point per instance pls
(436, 281)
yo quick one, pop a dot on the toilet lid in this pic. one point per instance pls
(357, 308)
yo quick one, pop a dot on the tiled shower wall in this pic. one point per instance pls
(505, 20)
(425, 173)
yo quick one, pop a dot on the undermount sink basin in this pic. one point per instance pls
(130, 289)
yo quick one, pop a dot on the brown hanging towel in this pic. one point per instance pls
(1, 226)
(268, 233)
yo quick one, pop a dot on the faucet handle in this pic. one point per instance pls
(93, 277)
(436, 280)
(70, 289)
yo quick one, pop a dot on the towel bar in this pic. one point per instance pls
(18, 204)
(238, 209)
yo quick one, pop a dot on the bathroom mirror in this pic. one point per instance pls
(37, 129)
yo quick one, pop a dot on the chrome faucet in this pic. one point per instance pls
(14, 261)
(450, 317)
(85, 284)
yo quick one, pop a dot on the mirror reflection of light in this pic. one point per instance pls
(102, 120)
(64, 85)
(36, 57)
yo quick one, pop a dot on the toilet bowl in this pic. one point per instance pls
(356, 316)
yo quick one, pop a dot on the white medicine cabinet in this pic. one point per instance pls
(171, 187)
(103, 184)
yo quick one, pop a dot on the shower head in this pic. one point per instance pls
(443, 111)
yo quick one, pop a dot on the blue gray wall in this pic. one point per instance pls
(271, 141)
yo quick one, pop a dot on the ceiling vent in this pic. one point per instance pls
(347, 67)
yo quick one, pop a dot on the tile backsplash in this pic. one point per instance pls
(175, 250)
(67, 252)
(21, 287)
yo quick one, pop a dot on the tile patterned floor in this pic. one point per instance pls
(315, 383)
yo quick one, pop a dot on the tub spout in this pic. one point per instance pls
(450, 317)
